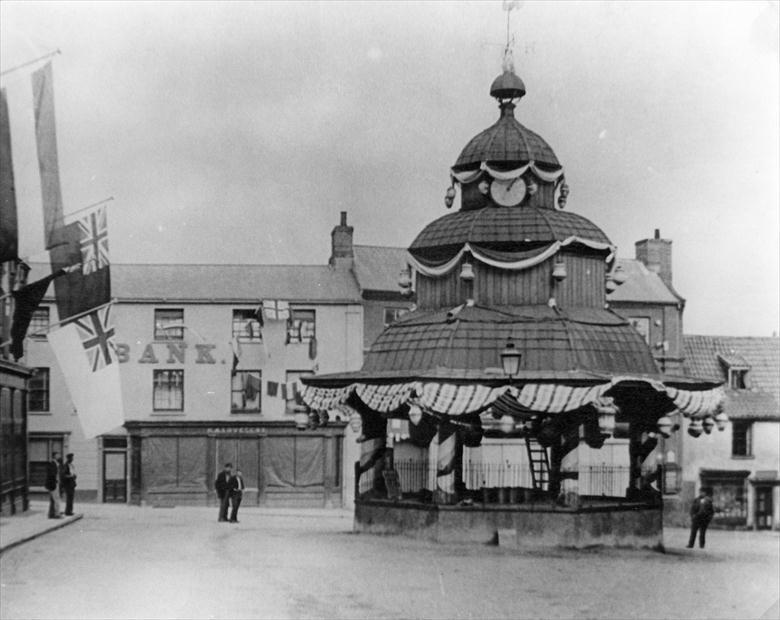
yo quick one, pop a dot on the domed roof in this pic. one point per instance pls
(506, 142)
(504, 227)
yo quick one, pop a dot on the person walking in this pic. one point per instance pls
(68, 482)
(236, 493)
(222, 486)
(52, 484)
(702, 511)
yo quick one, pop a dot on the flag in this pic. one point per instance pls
(276, 310)
(84, 241)
(9, 225)
(236, 346)
(30, 195)
(252, 386)
(272, 387)
(87, 356)
(26, 300)
(46, 141)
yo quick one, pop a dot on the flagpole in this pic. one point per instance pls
(30, 62)
(44, 331)
(92, 206)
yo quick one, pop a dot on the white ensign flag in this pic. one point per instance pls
(86, 354)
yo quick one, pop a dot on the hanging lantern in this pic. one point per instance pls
(301, 417)
(356, 422)
(606, 422)
(720, 420)
(619, 275)
(415, 414)
(695, 428)
(467, 272)
(565, 190)
(708, 424)
(532, 188)
(405, 282)
(507, 423)
(559, 271)
(611, 286)
(510, 358)
(665, 426)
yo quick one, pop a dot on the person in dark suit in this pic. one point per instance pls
(222, 486)
(702, 512)
(68, 483)
(236, 492)
(51, 484)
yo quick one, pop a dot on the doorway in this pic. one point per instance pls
(764, 507)
(115, 470)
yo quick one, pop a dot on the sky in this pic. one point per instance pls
(235, 132)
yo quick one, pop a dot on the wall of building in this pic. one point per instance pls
(206, 356)
(664, 335)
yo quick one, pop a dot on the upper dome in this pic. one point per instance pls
(503, 228)
(506, 142)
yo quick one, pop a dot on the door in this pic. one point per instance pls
(243, 453)
(764, 508)
(115, 476)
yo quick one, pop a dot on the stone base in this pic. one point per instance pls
(527, 526)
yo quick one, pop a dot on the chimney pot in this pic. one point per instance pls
(657, 233)
(344, 220)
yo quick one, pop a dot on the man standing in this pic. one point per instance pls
(52, 479)
(236, 492)
(69, 483)
(222, 486)
(702, 511)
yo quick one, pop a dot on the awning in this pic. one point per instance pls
(449, 399)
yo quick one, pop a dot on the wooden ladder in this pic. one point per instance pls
(540, 464)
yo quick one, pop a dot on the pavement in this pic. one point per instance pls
(29, 525)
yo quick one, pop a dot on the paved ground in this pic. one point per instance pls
(129, 562)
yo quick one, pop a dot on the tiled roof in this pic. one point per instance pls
(592, 340)
(377, 267)
(709, 356)
(641, 285)
(504, 228)
(247, 283)
(504, 142)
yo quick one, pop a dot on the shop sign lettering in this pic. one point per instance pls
(171, 353)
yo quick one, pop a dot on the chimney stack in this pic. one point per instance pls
(656, 254)
(342, 253)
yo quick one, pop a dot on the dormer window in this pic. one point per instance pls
(737, 378)
(736, 368)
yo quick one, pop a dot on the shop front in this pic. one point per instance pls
(176, 463)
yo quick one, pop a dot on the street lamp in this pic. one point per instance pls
(510, 358)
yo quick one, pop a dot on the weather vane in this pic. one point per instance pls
(509, 6)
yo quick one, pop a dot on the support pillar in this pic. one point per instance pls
(448, 464)
(372, 454)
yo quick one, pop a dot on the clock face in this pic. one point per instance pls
(508, 193)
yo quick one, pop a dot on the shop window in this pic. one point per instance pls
(38, 391)
(39, 323)
(169, 324)
(642, 325)
(168, 390)
(246, 326)
(301, 326)
(741, 438)
(393, 314)
(246, 391)
(729, 495)
(291, 381)
(39, 451)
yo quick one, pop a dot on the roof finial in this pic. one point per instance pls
(508, 86)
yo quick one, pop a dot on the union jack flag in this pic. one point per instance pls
(94, 241)
(97, 337)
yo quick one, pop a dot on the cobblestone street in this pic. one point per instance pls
(128, 562)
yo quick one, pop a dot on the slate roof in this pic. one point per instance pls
(502, 228)
(232, 283)
(553, 343)
(641, 285)
(505, 142)
(709, 356)
(377, 267)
